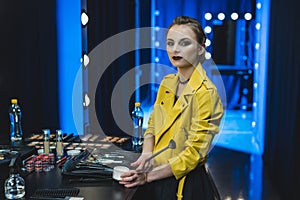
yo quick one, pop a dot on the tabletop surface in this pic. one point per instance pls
(90, 187)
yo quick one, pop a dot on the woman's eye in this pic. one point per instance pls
(170, 43)
(185, 43)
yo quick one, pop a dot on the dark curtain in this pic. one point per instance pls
(282, 129)
(108, 18)
(28, 64)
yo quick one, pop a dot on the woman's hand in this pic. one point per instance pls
(133, 178)
(141, 165)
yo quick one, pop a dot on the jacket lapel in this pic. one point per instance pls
(183, 101)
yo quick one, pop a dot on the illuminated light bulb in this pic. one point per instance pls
(87, 101)
(248, 16)
(207, 43)
(244, 116)
(207, 55)
(208, 16)
(257, 45)
(258, 5)
(207, 29)
(253, 124)
(84, 18)
(257, 26)
(221, 16)
(234, 16)
(86, 60)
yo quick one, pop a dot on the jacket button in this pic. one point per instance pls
(162, 103)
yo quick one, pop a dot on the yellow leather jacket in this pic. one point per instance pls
(191, 122)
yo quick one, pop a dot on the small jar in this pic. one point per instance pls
(30, 165)
(46, 163)
(38, 166)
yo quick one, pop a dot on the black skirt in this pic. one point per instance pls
(198, 185)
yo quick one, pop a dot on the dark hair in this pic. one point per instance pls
(195, 26)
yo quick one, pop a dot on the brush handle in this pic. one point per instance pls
(156, 154)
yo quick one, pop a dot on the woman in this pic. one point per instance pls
(188, 111)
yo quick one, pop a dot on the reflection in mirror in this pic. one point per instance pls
(231, 46)
(238, 46)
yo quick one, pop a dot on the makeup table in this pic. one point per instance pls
(88, 187)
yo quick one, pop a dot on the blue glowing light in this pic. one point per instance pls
(69, 53)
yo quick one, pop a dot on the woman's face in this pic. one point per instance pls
(182, 47)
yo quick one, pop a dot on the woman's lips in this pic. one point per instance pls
(176, 57)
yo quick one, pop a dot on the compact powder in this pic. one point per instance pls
(118, 171)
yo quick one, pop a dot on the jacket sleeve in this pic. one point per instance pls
(150, 129)
(151, 121)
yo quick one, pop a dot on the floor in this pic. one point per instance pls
(237, 132)
(240, 176)
(235, 162)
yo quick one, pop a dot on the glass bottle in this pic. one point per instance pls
(46, 133)
(59, 144)
(14, 187)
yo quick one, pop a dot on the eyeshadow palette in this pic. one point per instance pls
(75, 142)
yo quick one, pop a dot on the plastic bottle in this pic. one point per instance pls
(15, 115)
(59, 144)
(46, 133)
(14, 187)
(137, 116)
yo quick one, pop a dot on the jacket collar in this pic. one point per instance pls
(196, 79)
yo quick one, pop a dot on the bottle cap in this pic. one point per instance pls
(46, 131)
(59, 132)
(14, 101)
(137, 104)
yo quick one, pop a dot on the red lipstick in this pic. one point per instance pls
(176, 57)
